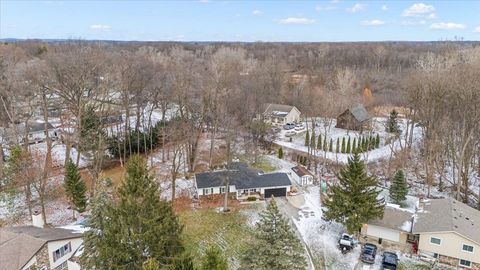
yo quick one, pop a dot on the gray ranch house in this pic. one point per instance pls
(243, 182)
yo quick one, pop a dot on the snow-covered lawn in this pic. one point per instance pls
(378, 127)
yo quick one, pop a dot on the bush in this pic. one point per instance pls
(251, 199)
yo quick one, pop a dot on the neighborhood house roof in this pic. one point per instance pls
(19, 244)
(395, 219)
(300, 171)
(277, 109)
(360, 113)
(242, 177)
(448, 215)
(32, 127)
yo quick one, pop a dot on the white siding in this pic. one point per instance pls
(384, 233)
(52, 246)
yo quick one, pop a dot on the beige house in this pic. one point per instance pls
(449, 231)
(32, 247)
(280, 114)
(392, 231)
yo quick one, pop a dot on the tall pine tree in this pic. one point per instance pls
(343, 145)
(330, 146)
(392, 123)
(75, 188)
(312, 140)
(337, 149)
(276, 246)
(377, 141)
(353, 201)
(138, 227)
(214, 260)
(319, 142)
(354, 145)
(399, 188)
(307, 139)
(348, 146)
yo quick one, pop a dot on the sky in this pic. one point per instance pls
(247, 20)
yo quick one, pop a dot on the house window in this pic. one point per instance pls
(467, 248)
(435, 255)
(206, 191)
(63, 266)
(436, 241)
(59, 253)
(465, 263)
(253, 190)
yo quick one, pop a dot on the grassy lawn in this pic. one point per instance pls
(264, 165)
(205, 227)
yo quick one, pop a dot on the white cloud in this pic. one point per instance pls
(356, 8)
(372, 22)
(447, 26)
(335, 1)
(477, 30)
(420, 10)
(384, 7)
(325, 8)
(421, 22)
(103, 27)
(296, 20)
(257, 12)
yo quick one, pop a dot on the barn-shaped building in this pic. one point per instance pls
(354, 118)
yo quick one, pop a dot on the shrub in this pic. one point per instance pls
(251, 199)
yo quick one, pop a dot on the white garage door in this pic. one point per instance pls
(384, 233)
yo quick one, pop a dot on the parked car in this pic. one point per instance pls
(299, 128)
(369, 252)
(346, 243)
(389, 261)
(289, 126)
(290, 133)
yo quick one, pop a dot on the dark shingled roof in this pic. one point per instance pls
(19, 244)
(360, 113)
(242, 177)
(300, 171)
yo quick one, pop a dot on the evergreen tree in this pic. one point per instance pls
(307, 139)
(319, 142)
(183, 262)
(276, 246)
(75, 188)
(312, 140)
(330, 146)
(392, 123)
(214, 260)
(280, 153)
(325, 143)
(337, 149)
(348, 146)
(354, 201)
(399, 188)
(354, 145)
(359, 145)
(377, 141)
(138, 227)
(343, 145)
(151, 264)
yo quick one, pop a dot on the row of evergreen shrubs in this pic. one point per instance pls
(364, 143)
(137, 142)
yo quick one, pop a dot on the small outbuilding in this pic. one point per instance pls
(354, 118)
(302, 176)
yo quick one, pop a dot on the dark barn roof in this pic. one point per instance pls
(242, 177)
(300, 171)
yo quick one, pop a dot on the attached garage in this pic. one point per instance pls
(276, 192)
(384, 233)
